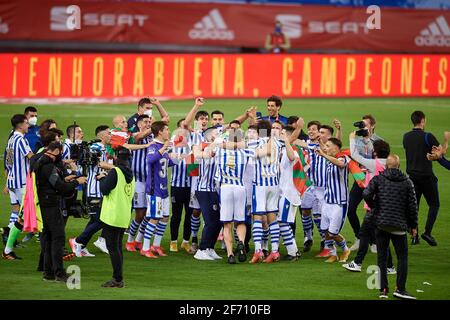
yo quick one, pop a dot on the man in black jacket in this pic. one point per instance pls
(51, 187)
(392, 198)
(418, 144)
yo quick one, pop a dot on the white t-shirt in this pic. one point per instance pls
(287, 186)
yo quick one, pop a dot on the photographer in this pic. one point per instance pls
(118, 190)
(51, 187)
(417, 144)
(364, 146)
(93, 194)
(75, 137)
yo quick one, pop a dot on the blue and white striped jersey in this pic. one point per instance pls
(66, 149)
(93, 185)
(336, 188)
(318, 166)
(196, 139)
(139, 163)
(231, 165)
(16, 161)
(267, 169)
(179, 176)
(207, 172)
(250, 169)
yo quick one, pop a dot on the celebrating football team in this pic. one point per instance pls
(243, 180)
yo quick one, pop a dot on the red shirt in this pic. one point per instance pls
(277, 39)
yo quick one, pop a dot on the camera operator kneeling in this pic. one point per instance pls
(118, 190)
(51, 187)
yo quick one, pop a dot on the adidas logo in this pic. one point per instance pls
(437, 34)
(213, 27)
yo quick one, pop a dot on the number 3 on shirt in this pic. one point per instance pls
(163, 172)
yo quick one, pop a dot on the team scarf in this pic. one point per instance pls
(301, 180)
(118, 139)
(192, 166)
(354, 168)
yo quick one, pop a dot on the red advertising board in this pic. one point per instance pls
(228, 25)
(122, 76)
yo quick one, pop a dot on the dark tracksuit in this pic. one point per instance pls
(51, 187)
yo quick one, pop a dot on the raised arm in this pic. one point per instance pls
(162, 112)
(337, 125)
(297, 131)
(289, 150)
(246, 115)
(191, 115)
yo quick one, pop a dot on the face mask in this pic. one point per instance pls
(148, 113)
(78, 141)
(32, 121)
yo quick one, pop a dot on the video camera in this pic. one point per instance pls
(82, 208)
(84, 155)
(363, 131)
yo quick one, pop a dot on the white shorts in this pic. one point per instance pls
(313, 199)
(333, 217)
(265, 199)
(287, 211)
(233, 201)
(157, 207)
(139, 200)
(193, 203)
(16, 195)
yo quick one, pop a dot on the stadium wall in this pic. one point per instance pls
(125, 77)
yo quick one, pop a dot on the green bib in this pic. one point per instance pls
(116, 206)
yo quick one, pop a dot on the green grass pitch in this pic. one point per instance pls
(179, 276)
